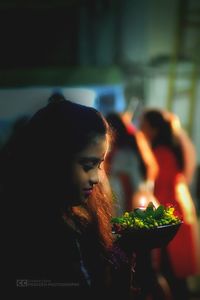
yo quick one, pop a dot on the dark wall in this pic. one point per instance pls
(32, 37)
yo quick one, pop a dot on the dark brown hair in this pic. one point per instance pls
(165, 135)
(40, 166)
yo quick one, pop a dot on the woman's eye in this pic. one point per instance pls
(90, 167)
(87, 167)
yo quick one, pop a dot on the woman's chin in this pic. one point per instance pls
(80, 201)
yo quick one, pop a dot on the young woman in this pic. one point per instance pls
(60, 203)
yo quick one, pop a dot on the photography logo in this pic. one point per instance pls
(21, 283)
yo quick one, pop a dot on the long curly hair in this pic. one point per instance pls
(40, 162)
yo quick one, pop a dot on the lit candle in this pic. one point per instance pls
(142, 203)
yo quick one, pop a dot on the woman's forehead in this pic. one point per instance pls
(97, 147)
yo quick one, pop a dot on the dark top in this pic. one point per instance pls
(55, 255)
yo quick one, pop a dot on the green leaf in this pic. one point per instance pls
(116, 220)
(159, 212)
(140, 213)
(132, 214)
(151, 205)
(149, 210)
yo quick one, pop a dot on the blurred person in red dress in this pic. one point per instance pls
(132, 166)
(175, 155)
(132, 170)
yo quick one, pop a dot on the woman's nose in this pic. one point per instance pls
(94, 177)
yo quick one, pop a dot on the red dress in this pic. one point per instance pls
(170, 187)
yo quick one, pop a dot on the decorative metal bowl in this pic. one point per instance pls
(134, 239)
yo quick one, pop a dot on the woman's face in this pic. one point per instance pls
(87, 169)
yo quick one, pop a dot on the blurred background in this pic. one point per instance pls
(110, 54)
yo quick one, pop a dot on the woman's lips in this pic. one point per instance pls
(87, 192)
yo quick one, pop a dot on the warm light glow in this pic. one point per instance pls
(174, 120)
(147, 155)
(142, 198)
(142, 202)
(186, 202)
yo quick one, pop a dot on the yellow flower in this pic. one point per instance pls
(126, 214)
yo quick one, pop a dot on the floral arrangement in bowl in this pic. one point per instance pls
(150, 217)
(148, 227)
